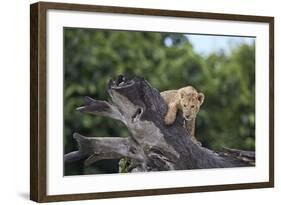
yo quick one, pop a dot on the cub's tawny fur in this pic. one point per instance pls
(187, 100)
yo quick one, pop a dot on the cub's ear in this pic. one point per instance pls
(182, 93)
(201, 98)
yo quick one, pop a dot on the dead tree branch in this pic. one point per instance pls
(153, 146)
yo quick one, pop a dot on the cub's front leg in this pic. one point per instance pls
(171, 114)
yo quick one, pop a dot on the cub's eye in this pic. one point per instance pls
(192, 106)
(184, 105)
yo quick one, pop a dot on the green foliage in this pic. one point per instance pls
(167, 61)
(123, 165)
(228, 115)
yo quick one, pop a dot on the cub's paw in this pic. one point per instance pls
(168, 120)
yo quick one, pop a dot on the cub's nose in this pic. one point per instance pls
(187, 116)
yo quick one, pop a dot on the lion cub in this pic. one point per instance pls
(187, 100)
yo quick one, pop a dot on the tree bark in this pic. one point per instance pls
(152, 146)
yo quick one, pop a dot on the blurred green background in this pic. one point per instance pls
(168, 61)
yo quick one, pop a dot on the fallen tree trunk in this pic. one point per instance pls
(152, 146)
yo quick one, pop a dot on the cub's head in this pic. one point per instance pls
(190, 102)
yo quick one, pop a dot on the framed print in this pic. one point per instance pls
(134, 102)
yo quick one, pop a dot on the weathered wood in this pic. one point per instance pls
(153, 146)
